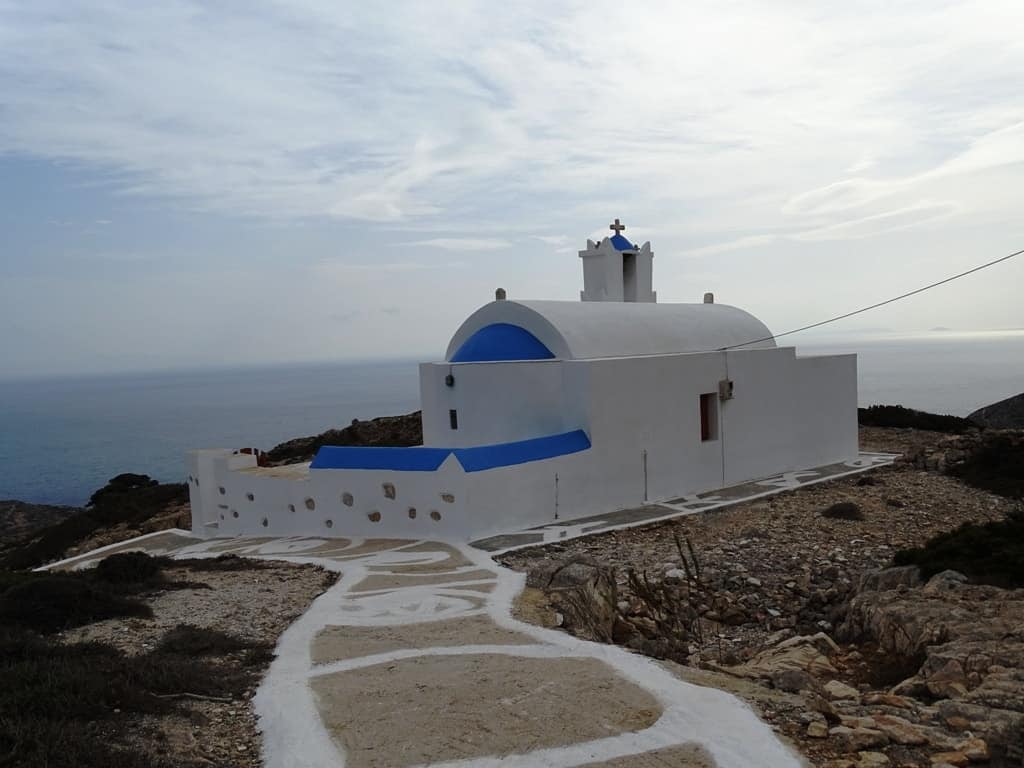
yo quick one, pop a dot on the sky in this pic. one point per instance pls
(203, 184)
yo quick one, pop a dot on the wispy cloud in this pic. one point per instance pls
(462, 243)
(266, 113)
(813, 147)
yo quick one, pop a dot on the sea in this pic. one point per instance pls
(62, 438)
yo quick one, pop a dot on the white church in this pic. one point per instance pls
(547, 411)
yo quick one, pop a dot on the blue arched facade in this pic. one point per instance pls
(501, 341)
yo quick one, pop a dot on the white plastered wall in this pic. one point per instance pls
(495, 402)
(345, 502)
(651, 406)
(788, 412)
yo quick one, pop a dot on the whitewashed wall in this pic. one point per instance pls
(787, 413)
(344, 503)
(495, 402)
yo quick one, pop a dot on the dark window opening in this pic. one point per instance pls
(629, 277)
(453, 417)
(709, 417)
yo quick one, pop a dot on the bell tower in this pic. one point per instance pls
(617, 270)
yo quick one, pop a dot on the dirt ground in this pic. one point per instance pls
(483, 705)
(254, 604)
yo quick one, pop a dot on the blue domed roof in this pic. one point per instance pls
(621, 243)
(501, 341)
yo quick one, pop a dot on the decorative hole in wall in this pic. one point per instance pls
(265, 522)
(435, 515)
(291, 507)
(234, 513)
(221, 515)
(250, 497)
(389, 490)
(448, 498)
(197, 482)
(412, 513)
(222, 490)
(191, 479)
(310, 504)
(347, 500)
(329, 523)
(374, 516)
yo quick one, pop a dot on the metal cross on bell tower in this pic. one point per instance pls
(617, 227)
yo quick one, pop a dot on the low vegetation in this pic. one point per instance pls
(896, 416)
(996, 466)
(51, 603)
(987, 553)
(126, 499)
(843, 510)
(78, 704)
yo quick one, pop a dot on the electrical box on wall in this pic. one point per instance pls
(725, 389)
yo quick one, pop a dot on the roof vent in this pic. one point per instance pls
(499, 295)
(709, 298)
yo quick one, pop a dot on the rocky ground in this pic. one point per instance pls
(254, 603)
(857, 669)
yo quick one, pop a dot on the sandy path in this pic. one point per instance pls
(413, 659)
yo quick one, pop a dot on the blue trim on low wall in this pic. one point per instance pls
(506, 454)
(501, 342)
(415, 459)
(421, 459)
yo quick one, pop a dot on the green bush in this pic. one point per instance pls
(130, 568)
(844, 510)
(56, 699)
(997, 466)
(126, 499)
(188, 640)
(987, 553)
(50, 603)
(898, 416)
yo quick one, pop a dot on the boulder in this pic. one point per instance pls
(873, 760)
(804, 653)
(900, 731)
(889, 578)
(857, 739)
(839, 691)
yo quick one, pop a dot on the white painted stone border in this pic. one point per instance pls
(295, 737)
(571, 530)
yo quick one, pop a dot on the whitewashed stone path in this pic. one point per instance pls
(413, 659)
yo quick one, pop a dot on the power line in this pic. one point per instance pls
(875, 306)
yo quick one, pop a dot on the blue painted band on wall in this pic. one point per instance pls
(415, 459)
(477, 459)
(523, 451)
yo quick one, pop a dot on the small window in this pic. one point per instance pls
(709, 417)
(453, 418)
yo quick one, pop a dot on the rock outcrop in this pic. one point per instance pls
(969, 640)
(19, 519)
(398, 431)
(991, 460)
(1006, 414)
